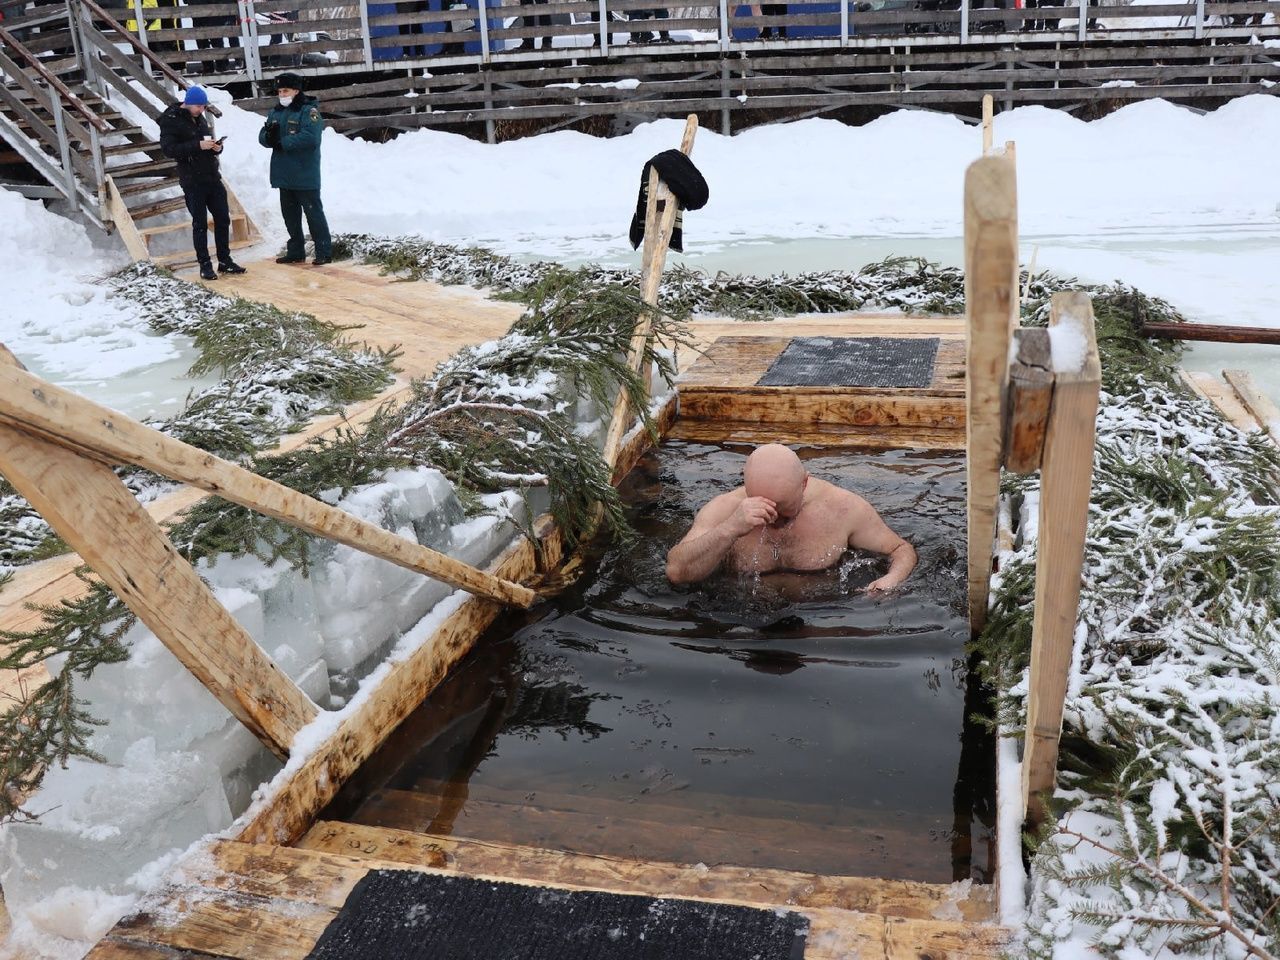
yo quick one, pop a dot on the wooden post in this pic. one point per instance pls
(987, 132)
(660, 218)
(1030, 395)
(964, 21)
(58, 415)
(991, 292)
(92, 510)
(1066, 474)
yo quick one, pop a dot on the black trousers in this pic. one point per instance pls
(293, 205)
(208, 198)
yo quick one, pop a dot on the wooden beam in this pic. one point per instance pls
(988, 134)
(1212, 332)
(1030, 393)
(660, 219)
(91, 509)
(31, 404)
(119, 213)
(1066, 476)
(991, 294)
(1258, 403)
(1224, 399)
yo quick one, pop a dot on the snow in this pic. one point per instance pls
(1012, 906)
(1067, 344)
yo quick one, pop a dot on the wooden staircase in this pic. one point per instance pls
(61, 115)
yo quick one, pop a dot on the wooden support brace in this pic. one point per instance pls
(92, 510)
(1066, 475)
(991, 295)
(61, 417)
(660, 219)
(1030, 393)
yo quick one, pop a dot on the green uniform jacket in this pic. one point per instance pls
(295, 144)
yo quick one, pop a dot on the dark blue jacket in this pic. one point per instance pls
(180, 136)
(293, 134)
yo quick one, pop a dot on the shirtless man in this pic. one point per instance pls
(783, 519)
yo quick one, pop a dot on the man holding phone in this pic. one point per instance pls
(187, 138)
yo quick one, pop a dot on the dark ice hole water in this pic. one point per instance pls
(788, 721)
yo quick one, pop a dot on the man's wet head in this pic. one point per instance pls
(776, 473)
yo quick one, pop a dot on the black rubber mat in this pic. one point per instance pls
(854, 362)
(406, 915)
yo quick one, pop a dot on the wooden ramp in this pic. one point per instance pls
(253, 902)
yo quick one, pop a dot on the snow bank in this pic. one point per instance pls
(568, 194)
(56, 320)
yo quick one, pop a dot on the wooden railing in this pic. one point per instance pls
(51, 114)
(1025, 415)
(256, 37)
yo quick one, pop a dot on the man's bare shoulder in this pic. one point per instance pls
(839, 497)
(723, 503)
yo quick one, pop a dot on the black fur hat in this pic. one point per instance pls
(290, 80)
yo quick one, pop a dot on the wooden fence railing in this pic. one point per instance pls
(257, 37)
(1027, 412)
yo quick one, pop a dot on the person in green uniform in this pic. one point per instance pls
(292, 132)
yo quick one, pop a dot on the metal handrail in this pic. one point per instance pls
(63, 90)
(142, 50)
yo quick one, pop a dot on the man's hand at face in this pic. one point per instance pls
(752, 513)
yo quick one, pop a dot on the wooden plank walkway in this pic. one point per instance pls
(250, 901)
(1239, 399)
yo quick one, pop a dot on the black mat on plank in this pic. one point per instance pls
(854, 362)
(406, 915)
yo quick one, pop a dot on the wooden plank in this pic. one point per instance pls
(822, 435)
(1212, 332)
(810, 406)
(900, 898)
(991, 285)
(657, 237)
(1030, 394)
(1258, 403)
(987, 132)
(59, 415)
(1224, 399)
(1065, 478)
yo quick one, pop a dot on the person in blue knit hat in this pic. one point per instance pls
(293, 131)
(186, 137)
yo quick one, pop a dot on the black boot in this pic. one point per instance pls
(230, 266)
(288, 259)
(321, 261)
(206, 271)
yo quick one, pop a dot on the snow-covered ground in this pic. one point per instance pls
(1182, 205)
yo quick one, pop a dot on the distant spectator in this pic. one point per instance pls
(216, 43)
(187, 138)
(771, 10)
(650, 37)
(541, 20)
(293, 132)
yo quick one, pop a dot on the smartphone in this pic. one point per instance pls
(220, 139)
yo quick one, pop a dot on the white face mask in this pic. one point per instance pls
(285, 101)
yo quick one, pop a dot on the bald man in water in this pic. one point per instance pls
(784, 519)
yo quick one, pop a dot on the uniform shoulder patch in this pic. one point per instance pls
(314, 114)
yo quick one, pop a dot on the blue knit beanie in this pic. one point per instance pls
(196, 97)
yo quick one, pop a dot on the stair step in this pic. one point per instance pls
(148, 147)
(148, 232)
(142, 168)
(188, 257)
(157, 209)
(147, 186)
